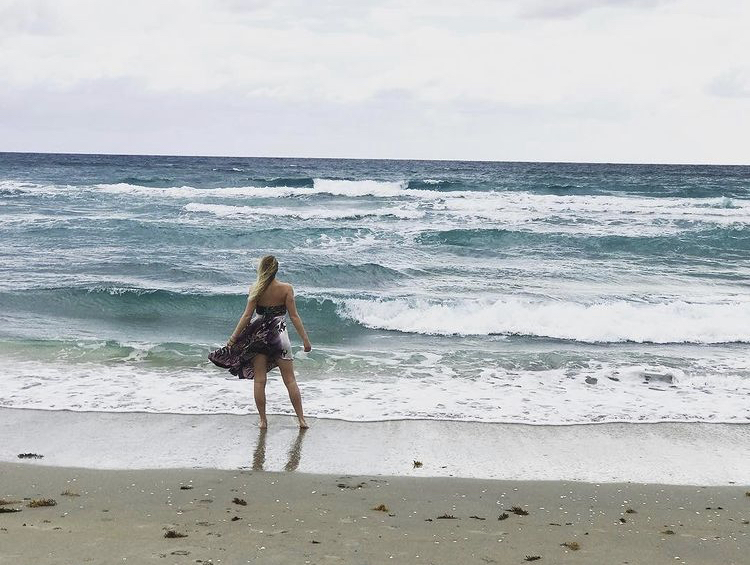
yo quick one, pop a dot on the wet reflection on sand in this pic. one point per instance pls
(293, 455)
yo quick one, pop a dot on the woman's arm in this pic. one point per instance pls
(244, 319)
(291, 307)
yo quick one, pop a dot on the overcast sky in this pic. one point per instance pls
(532, 80)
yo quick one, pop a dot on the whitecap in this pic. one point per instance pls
(225, 211)
(600, 322)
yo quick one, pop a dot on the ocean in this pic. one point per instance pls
(538, 293)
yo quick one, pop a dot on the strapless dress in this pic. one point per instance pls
(266, 334)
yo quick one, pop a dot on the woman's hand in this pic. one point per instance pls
(307, 345)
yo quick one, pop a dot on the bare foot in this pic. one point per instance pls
(263, 424)
(302, 424)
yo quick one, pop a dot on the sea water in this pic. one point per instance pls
(541, 293)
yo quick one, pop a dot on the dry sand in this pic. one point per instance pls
(110, 516)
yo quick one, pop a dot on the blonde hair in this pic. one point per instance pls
(267, 269)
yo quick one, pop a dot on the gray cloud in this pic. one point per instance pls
(734, 83)
(35, 17)
(572, 8)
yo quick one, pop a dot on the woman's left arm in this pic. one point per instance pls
(244, 319)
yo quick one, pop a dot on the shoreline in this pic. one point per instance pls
(396, 420)
(246, 516)
(663, 453)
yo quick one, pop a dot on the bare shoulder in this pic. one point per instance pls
(286, 288)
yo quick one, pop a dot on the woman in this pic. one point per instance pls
(260, 341)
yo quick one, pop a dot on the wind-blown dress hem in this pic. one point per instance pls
(266, 334)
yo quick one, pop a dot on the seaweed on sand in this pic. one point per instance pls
(518, 511)
(41, 502)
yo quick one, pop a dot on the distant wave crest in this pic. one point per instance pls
(306, 213)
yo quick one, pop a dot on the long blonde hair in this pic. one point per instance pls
(267, 269)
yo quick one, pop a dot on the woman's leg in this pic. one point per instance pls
(286, 367)
(259, 387)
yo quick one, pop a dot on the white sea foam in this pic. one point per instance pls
(347, 188)
(306, 213)
(37, 220)
(588, 213)
(342, 188)
(359, 187)
(192, 192)
(596, 214)
(604, 322)
(401, 384)
(333, 187)
(584, 215)
(176, 192)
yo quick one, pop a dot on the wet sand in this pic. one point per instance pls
(246, 516)
(668, 453)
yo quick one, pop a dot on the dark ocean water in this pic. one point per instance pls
(531, 292)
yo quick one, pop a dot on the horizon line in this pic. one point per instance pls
(445, 160)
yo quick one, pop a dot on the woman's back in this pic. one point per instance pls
(274, 295)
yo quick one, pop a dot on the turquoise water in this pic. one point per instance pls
(531, 292)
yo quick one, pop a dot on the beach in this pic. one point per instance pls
(241, 496)
(493, 258)
(511, 362)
